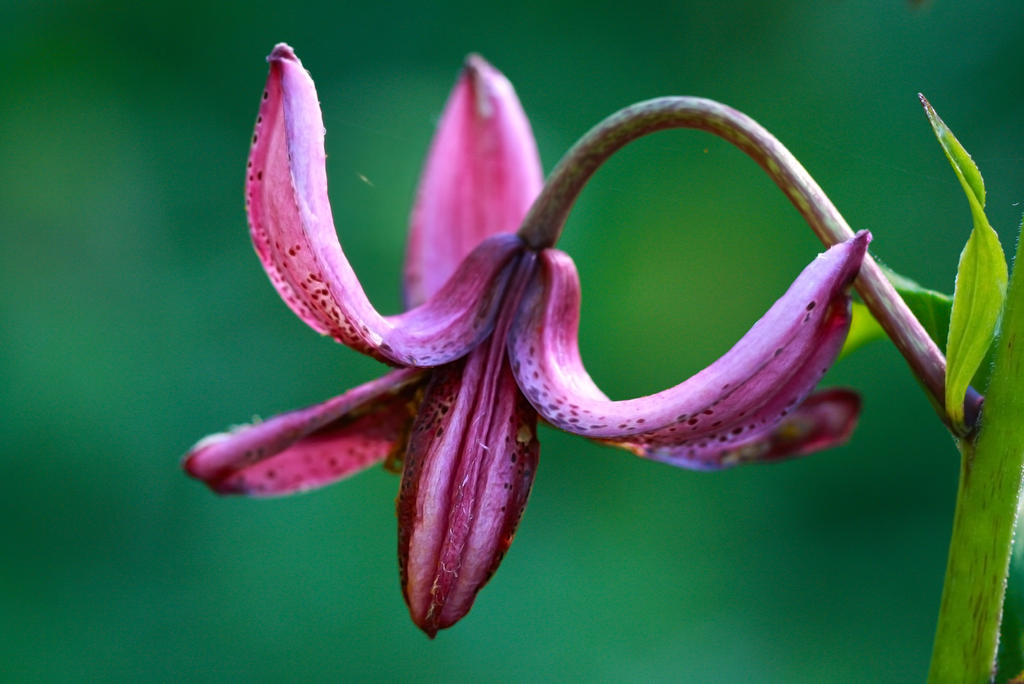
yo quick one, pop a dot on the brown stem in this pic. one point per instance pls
(547, 216)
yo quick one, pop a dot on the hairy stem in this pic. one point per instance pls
(547, 216)
(986, 510)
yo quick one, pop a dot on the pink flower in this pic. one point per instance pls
(489, 343)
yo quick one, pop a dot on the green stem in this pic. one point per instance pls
(986, 510)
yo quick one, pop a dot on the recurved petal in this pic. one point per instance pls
(481, 176)
(724, 437)
(293, 231)
(310, 447)
(460, 314)
(820, 421)
(468, 471)
(738, 400)
(824, 420)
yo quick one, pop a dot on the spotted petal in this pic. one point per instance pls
(481, 176)
(824, 420)
(468, 471)
(293, 231)
(310, 447)
(735, 402)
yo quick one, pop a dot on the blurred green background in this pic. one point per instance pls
(135, 318)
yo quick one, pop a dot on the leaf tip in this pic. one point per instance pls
(938, 125)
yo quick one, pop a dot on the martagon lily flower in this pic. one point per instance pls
(491, 342)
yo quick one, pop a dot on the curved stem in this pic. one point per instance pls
(547, 216)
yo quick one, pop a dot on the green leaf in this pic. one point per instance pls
(931, 308)
(980, 279)
(863, 329)
(965, 168)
